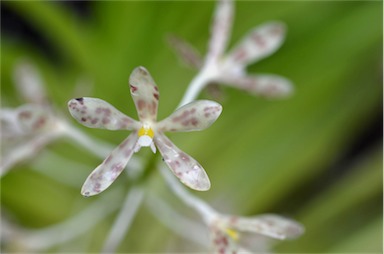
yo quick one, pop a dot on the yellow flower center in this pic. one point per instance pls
(232, 233)
(146, 131)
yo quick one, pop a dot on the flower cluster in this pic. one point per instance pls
(96, 113)
(36, 124)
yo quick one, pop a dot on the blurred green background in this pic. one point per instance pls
(315, 157)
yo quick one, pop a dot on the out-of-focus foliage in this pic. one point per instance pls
(315, 157)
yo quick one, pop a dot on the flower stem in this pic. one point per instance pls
(99, 148)
(205, 210)
(196, 85)
(124, 220)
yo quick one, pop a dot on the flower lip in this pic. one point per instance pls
(145, 140)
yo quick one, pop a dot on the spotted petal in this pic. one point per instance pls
(187, 169)
(96, 113)
(221, 28)
(145, 94)
(186, 53)
(259, 43)
(107, 172)
(271, 86)
(269, 225)
(194, 116)
(34, 117)
(222, 242)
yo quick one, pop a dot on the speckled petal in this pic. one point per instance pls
(221, 29)
(259, 43)
(33, 117)
(194, 116)
(221, 242)
(269, 225)
(145, 94)
(270, 86)
(186, 53)
(96, 113)
(107, 172)
(187, 169)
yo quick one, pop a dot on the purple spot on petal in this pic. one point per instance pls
(81, 100)
(141, 104)
(25, 114)
(133, 89)
(105, 121)
(239, 55)
(259, 40)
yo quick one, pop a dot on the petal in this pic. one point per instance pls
(259, 43)
(10, 124)
(29, 83)
(194, 116)
(222, 242)
(187, 169)
(33, 117)
(107, 172)
(221, 29)
(271, 86)
(269, 225)
(186, 53)
(96, 113)
(145, 94)
(27, 150)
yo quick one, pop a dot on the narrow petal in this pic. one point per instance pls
(186, 53)
(187, 169)
(221, 242)
(194, 116)
(145, 94)
(33, 117)
(259, 43)
(107, 172)
(269, 225)
(29, 83)
(271, 86)
(221, 29)
(96, 113)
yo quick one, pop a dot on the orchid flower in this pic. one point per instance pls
(235, 234)
(228, 233)
(96, 113)
(229, 69)
(27, 129)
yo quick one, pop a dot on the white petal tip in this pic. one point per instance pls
(204, 188)
(87, 194)
(200, 184)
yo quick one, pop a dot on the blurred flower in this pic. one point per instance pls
(29, 128)
(235, 234)
(230, 234)
(229, 68)
(96, 113)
